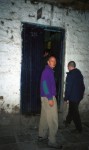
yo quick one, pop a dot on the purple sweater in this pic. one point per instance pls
(48, 86)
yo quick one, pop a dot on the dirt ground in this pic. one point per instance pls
(19, 132)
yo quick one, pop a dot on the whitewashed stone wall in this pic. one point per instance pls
(12, 14)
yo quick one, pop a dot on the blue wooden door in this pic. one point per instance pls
(32, 50)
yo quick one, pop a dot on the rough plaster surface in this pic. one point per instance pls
(12, 14)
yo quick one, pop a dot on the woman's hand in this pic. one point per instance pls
(51, 103)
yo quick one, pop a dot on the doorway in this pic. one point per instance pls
(35, 39)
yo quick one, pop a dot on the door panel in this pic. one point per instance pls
(32, 50)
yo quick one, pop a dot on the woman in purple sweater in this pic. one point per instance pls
(49, 115)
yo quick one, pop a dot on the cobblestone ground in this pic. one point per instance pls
(20, 133)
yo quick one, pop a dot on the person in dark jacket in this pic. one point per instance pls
(74, 92)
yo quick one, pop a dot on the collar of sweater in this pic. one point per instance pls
(48, 67)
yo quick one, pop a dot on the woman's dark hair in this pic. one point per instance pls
(51, 56)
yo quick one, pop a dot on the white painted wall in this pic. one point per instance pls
(12, 13)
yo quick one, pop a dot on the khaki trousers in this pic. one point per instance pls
(49, 120)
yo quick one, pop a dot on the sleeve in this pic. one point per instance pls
(47, 89)
(68, 87)
(82, 86)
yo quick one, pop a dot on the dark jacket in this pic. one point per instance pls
(75, 88)
(47, 85)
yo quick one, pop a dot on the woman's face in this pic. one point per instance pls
(52, 62)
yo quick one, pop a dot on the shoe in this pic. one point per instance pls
(65, 123)
(55, 145)
(75, 131)
(41, 139)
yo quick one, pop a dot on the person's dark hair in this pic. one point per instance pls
(51, 56)
(72, 64)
